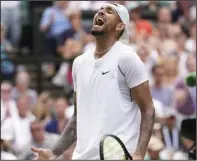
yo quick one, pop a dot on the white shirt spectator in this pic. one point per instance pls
(190, 45)
(9, 116)
(7, 156)
(22, 137)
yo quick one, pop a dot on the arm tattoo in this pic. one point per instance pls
(68, 136)
(146, 128)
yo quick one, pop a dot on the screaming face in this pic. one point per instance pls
(105, 21)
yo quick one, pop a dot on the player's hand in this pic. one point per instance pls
(43, 154)
(137, 156)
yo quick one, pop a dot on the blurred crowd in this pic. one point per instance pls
(167, 46)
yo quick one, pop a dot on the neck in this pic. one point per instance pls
(104, 42)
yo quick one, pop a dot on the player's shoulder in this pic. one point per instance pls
(81, 58)
(127, 52)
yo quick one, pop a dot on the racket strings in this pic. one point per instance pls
(112, 149)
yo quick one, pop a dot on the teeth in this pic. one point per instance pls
(100, 21)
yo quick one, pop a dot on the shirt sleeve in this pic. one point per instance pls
(74, 71)
(133, 68)
(46, 17)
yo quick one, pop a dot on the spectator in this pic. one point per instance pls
(5, 153)
(155, 146)
(157, 130)
(43, 108)
(10, 15)
(164, 15)
(9, 112)
(143, 28)
(179, 155)
(174, 30)
(75, 32)
(184, 18)
(41, 139)
(185, 100)
(182, 52)
(4, 41)
(160, 91)
(170, 132)
(163, 22)
(72, 48)
(190, 44)
(171, 70)
(22, 87)
(57, 124)
(7, 67)
(191, 63)
(54, 22)
(159, 111)
(22, 137)
(144, 51)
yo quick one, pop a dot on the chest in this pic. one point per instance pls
(99, 74)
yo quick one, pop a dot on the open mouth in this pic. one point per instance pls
(99, 21)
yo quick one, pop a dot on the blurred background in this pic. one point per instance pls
(40, 40)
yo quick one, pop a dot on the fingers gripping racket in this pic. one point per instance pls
(112, 148)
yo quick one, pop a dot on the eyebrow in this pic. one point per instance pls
(115, 4)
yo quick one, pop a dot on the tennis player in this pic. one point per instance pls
(111, 93)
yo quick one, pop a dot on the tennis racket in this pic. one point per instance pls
(112, 148)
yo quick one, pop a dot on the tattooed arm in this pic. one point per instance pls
(69, 135)
(142, 96)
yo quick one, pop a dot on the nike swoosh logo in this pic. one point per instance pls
(105, 72)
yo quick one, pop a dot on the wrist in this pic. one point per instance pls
(139, 153)
(55, 154)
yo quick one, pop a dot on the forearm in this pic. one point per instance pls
(146, 127)
(67, 138)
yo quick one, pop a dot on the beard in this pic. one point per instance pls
(97, 33)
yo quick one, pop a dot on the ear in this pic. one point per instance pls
(120, 27)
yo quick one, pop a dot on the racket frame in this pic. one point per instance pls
(127, 155)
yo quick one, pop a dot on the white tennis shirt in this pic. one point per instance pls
(104, 104)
